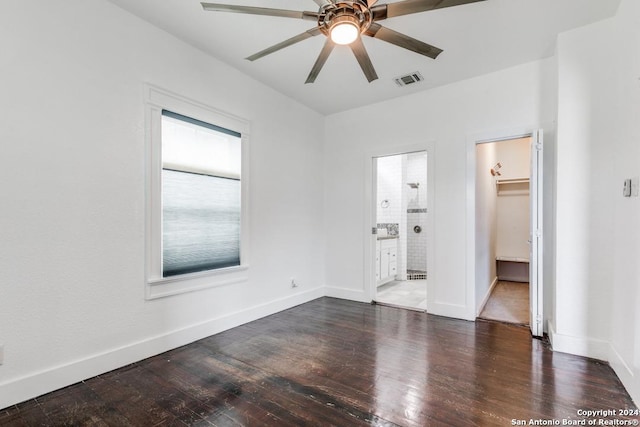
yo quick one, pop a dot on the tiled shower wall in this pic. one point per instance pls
(416, 172)
(416, 243)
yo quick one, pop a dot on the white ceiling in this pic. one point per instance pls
(477, 38)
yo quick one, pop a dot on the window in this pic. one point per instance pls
(196, 203)
(200, 196)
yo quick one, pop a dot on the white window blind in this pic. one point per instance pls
(201, 195)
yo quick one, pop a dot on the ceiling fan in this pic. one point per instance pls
(343, 22)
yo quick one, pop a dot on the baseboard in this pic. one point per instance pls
(348, 294)
(580, 346)
(598, 349)
(518, 279)
(456, 311)
(629, 378)
(486, 297)
(33, 385)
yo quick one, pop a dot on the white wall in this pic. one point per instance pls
(72, 225)
(389, 187)
(513, 98)
(625, 298)
(486, 224)
(513, 206)
(598, 239)
(585, 191)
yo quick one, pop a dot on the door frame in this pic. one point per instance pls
(536, 303)
(536, 227)
(370, 199)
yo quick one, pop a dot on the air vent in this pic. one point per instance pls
(409, 79)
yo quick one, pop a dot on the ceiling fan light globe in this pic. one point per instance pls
(344, 33)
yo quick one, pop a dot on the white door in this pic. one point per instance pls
(535, 259)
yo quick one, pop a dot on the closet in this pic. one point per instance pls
(512, 209)
(503, 223)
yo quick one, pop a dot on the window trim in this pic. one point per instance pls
(156, 286)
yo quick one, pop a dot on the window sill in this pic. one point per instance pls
(160, 287)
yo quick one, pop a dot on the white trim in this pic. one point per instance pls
(502, 134)
(156, 99)
(456, 311)
(486, 297)
(347, 294)
(598, 349)
(473, 139)
(630, 379)
(580, 346)
(45, 381)
(536, 228)
(174, 285)
(163, 98)
(620, 366)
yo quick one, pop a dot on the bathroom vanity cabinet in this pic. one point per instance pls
(386, 260)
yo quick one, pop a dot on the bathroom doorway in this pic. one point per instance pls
(401, 230)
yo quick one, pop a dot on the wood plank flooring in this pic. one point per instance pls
(338, 363)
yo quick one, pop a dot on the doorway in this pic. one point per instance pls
(401, 230)
(508, 230)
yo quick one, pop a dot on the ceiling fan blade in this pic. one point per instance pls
(322, 58)
(407, 7)
(216, 7)
(363, 59)
(293, 40)
(390, 36)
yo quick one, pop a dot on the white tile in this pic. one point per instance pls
(410, 293)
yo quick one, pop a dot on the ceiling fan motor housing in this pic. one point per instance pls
(354, 12)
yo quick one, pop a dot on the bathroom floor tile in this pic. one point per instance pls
(410, 294)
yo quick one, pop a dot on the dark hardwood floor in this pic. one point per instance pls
(338, 363)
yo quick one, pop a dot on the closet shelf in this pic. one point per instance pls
(512, 181)
(511, 259)
(512, 187)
